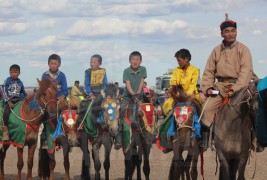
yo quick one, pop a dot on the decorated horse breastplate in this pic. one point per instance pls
(149, 116)
(181, 114)
(70, 117)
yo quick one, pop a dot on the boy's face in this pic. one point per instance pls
(14, 74)
(53, 65)
(183, 62)
(94, 63)
(135, 61)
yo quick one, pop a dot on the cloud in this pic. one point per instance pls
(262, 61)
(37, 64)
(257, 32)
(115, 26)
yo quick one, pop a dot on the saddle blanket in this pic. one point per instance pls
(16, 127)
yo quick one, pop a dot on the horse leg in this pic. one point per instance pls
(52, 165)
(20, 162)
(67, 163)
(177, 161)
(187, 164)
(146, 167)
(66, 151)
(31, 150)
(194, 161)
(85, 175)
(242, 167)
(2, 160)
(97, 163)
(108, 145)
(224, 167)
(128, 164)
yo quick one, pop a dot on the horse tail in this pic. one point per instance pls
(43, 165)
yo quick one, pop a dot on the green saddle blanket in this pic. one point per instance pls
(162, 138)
(16, 127)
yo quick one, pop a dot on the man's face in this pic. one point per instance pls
(229, 35)
(77, 84)
(183, 62)
(14, 74)
(53, 65)
(135, 61)
(94, 63)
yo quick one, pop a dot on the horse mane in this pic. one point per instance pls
(179, 95)
(43, 85)
(111, 90)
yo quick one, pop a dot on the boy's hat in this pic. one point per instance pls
(227, 23)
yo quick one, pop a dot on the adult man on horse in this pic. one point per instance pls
(228, 69)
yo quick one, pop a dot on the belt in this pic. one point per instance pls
(227, 80)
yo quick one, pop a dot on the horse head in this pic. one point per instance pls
(141, 115)
(47, 95)
(110, 108)
(185, 110)
(69, 126)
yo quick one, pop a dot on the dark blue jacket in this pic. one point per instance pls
(60, 79)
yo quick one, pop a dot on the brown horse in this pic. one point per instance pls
(233, 129)
(185, 116)
(46, 101)
(63, 133)
(141, 139)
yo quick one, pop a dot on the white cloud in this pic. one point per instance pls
(115, 26)
(257, 32)
(46, 41)
(37, 64)
(262, 61)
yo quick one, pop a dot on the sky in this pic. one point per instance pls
(32, 30)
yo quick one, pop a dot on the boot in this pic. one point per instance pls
(259, 148)
(204, 140)
(118, 141)
(5, 136)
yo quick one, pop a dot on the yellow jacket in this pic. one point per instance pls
(189, 82)
(75, 91)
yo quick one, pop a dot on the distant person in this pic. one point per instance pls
(146, 89)
(166, 94)
(13, 92)
(75, 91)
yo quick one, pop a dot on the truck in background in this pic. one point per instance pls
(163, 82)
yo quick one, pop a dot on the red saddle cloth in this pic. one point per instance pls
(181, 113)
(148, 110)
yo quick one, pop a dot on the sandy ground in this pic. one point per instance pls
(159, 164)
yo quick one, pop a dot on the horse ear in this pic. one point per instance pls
(38, 81)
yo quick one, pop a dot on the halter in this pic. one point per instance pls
(251, 95)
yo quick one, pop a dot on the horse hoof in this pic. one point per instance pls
(259, 148)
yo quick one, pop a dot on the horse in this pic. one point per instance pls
(107, 129)
(29, 115)
(186, 130)
(233, 131)
(141, 139)
(63, 132)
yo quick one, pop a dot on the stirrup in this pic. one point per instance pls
(44, 145)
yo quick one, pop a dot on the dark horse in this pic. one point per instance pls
(106, 130)
(46, 101)
(185, 127)
(233, 132)
(141, 139)
(65, 135)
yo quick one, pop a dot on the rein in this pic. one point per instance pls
(40, 108)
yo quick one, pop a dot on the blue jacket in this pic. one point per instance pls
(60, 78)
(13, 90)
(89, 88)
